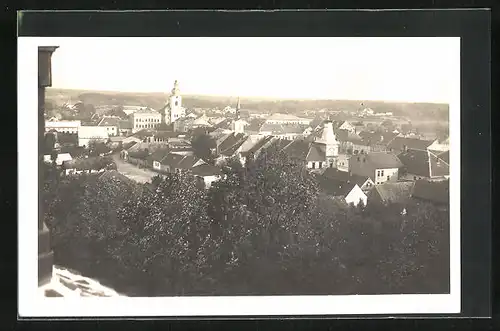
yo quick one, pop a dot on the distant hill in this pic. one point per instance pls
(412, 111)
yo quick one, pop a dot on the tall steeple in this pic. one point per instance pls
(238, 107)
(175, 90)
(332, 145)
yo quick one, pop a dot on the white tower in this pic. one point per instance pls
(174, 109)
(238, 124)
(332, 145)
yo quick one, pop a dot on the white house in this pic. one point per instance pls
(63, 126)
(88, 133)
(356, 196)
(380, 166)
(60, 158)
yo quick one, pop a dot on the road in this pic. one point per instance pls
(132, 171)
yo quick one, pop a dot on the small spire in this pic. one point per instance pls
(238, 106)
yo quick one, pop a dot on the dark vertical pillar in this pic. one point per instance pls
(45, 255)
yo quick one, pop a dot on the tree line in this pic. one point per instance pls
(264, 229)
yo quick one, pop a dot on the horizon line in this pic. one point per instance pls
(252, 96)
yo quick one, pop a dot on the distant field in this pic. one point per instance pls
(420, 113)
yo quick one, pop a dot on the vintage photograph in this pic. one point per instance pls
(214, 167)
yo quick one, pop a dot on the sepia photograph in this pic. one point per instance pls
(273, 171)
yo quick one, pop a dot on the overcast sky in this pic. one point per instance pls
(392, 69)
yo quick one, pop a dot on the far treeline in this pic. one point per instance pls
(420, 111)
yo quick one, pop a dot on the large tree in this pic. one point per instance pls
(203, 145)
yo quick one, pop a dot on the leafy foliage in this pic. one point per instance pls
(264, 228)
(202, 147)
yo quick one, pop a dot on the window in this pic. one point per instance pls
(382, 173)
(378, 173)
(388, 177)
(331, 165)
(176, 103)
(320, 165)
(314, 165)
(414, 177)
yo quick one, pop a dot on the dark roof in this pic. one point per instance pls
(129, 144)
(159, 154)
(394, 192)
(297, 149)
(437, 192)
(439, 167)
(144, 133)
(399, 143)
(445, 156)
(316, 122)
(187, 162)
(377, 137)
(231, 150)
(344, 176)
(424, 163)
(172, 160)
(167, 134)
(334, 187)
(141, 154)
(225, 124)
(109, 121)
(255, 148)
(229, 141)
(125, 124)
(381, 160)
(316, 153)
(206, 170)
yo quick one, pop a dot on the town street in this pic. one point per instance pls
(132, 171)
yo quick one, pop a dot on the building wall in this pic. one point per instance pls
(343, 162)
(149, 120)
(274, 121)
(385, 175)
(88, 133)
(63, 126)
(356, 196)
(112, 130)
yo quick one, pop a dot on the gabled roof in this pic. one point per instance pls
(381, 160)
(436, 192)
(344, 176)
(117, 138)
(258, 146)
(159, 154)
(232, 149)
(395, 192)
(228, 141)
(423, 163)
(172, 160)
(297, 149)
(445, 156)
(399, 143)
(129, 145)
(187, 162)
(109, 121)
(316, 153)
(206, 170)
(334, 187)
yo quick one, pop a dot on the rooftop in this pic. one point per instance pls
(395, 192)
(436, 192)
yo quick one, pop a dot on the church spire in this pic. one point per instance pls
(175, 90)
(238, 107)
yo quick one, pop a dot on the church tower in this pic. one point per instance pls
(332, 145)
(238, 124)
(174, 109)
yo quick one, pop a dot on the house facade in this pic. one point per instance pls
(382, 167)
